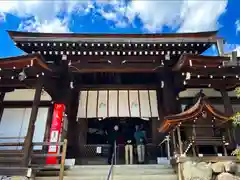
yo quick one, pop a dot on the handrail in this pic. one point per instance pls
(62, 155)
(166, 139)
(187, 149)
(113, 161)
(64, 151)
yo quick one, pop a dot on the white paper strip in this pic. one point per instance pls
(144, 104)
(82, 105)
(102, 104)
(123, 104)
(134, 103)
(92, 104)
(113, 104)
(153, 102)
(99, 101)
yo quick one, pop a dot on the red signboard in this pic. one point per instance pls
(55, 132)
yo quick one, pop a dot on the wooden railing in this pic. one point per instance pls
(11, 158)
(180, 146)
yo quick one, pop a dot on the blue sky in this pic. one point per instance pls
(106, 16)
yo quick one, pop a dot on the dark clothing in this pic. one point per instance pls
(110, 154)
(112, 137)
(140, 137)
(129, 137)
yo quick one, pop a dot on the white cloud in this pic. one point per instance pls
(44, 16)
(237, 23)
(228, 48)
(184, 15)
(54, 26)
(181, 15)
(2, 17)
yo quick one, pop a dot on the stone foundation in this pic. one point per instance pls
(210, 171)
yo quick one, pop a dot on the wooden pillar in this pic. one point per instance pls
(2, 95)
(174, 142)
(171, 105)
(233, 133)
(48, 126)
(156, 136)
(72, 134)
(179, 140)
(31, 126)
(220, 43)
(155, 126)
(226, 102)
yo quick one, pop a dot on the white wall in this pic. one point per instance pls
(14, 123)
(25, 95)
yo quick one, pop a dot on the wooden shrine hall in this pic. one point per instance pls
(77, 81)
(199, 126)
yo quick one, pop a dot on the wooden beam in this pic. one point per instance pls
(20, 104)
(31, 126)
(117, 87)
(15, 83)
(213, 100)
(146, 69)
(213, 70)
(215, 83)
(115, 64)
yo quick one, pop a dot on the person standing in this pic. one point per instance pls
(128, 142)
(112, 141)
(140, 137)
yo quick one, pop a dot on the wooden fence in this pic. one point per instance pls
(12, 151)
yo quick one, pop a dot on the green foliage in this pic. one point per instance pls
(236, 119)
(236, 153)
(237, 91)
(236, 122)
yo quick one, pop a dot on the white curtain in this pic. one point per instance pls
(113, 107)
(82, 108)
(153, 103)
(92, 104)
(118, 103)
(102, 104)
(145, 104)
(123, 104)
(134, 103)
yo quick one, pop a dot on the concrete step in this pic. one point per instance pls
(115, 177)
(134, 166)
(120, 172)
(117, 171)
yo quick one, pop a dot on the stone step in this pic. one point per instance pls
(117, 171)
(115, 177)
(134, 166)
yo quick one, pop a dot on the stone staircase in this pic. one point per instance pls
(120, 172)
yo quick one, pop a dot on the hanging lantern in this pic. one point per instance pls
(43, 92)
(204, 114)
